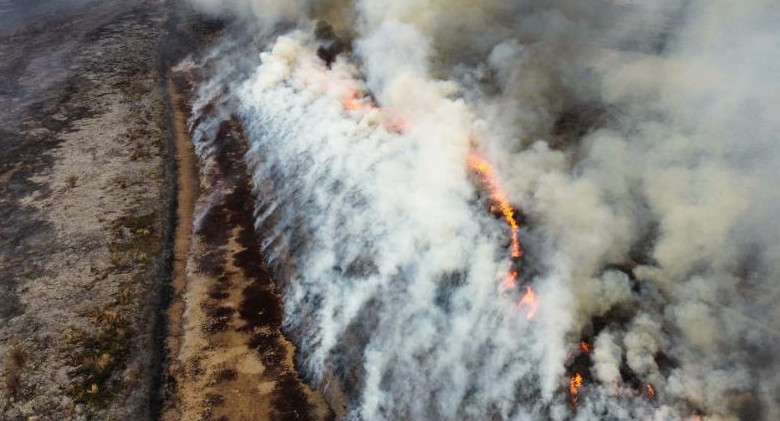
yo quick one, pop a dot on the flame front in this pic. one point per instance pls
(482, 167)
(575, 383)
(529, 301)
(650, 390)
(353, 101)
(500, 200)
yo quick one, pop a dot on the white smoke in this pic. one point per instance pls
(393, 241)
(640, 140)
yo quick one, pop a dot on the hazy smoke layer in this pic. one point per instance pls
(639, 140)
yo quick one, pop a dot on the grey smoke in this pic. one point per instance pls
(398, 266)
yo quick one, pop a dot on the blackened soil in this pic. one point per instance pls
(234, 362)
(260, 310)
(83, 208)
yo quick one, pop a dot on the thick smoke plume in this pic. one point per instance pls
(639, 141)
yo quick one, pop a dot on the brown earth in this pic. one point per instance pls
(230, 359)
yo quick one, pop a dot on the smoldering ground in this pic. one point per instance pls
(637, 138)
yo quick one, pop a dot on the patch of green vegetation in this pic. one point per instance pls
(142, 258)
(102, 356)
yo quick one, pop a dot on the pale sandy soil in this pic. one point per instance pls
(84, 212)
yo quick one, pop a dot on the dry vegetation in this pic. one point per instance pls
(102, 357)
(71, 180)
(103, 349)
(15, 360)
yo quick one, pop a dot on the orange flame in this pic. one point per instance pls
(650, 390)
(510, 279)
(497, 195)
(529, 300)
(575, 383)
(501, 203)
(353, 101)
(585, 347)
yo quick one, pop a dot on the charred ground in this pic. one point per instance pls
(88, 212)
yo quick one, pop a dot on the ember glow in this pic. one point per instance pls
(355, 101)
(510, 280)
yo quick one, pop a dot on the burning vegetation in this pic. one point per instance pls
(499, 199)
(625, 299)
(499, 202)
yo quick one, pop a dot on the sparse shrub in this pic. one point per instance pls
(132, 240)
(15, 359)
(103, 355)
(73, 336)
(214, 400)
(126, 294)
(116, 258)
(139, 153)
(71, 180)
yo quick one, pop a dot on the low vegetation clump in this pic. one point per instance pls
(71, 180)
(15, 360)
(100, 360)
(133, 240)
(102, 356)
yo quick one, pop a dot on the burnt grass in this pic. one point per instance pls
(25, 156)
(260, 310)
(55, 72)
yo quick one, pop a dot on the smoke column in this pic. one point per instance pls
(639, 142)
